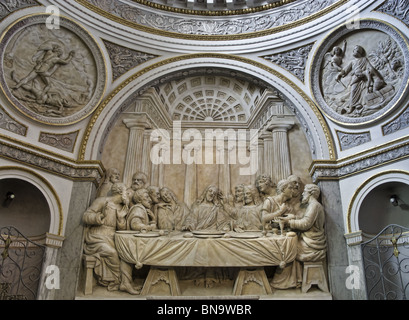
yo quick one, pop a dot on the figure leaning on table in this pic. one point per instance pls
(103, 218)
(312, 245)
(139, 218)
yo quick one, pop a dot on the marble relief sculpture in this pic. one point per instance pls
(277, 206)
(312, 245)
(55, 76)
(154, 193)
(171, 212)
(105, 216)
(208, 212)
(140, 217)
(265, 186)
(289, 211)
(139, 181)
(364, 80)
(112, 176)
(249, 215)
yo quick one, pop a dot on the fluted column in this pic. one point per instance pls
(190, 191)
(281, 151)
(268, 163)
(224, 177)
(146, 153)
(134, 152)
(260, 157)
(254, 159)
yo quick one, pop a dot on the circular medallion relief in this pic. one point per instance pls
(359, 75)
(55, 76)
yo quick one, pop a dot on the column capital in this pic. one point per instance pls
(266, 135)
(139, 121)
(354, 238)
(284, 125)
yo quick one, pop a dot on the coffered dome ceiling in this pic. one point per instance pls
(209, 98)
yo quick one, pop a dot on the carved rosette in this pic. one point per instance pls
(54, 76)
(360, 75)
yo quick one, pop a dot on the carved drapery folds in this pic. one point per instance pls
(212, 233)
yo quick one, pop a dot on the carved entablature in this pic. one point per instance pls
(360, 75)
(198, 25)
(334, 170)
(54, 76)
(84, 171)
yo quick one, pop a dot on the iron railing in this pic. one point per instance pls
(20, 265)
(386, 263)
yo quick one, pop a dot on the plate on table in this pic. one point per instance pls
(127, 231)
(245, 235)
(208, 236)
(148, 234)
(208, 232)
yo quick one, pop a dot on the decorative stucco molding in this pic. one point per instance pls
(10, 124)
(293, 60)
(65, 141)
(201, 25)
(124, 59)
(87, 171)
(349, 140)
(334, 170)
(396, 8)
(399, 123)
(9, 6)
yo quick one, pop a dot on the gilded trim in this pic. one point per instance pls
(78, 165)
(163, 7)
(249, 35)
(353, 199)
(47, 152)
(61, 135)
(100, 59)
(49, 186)
(393, 120)
(352, 134)
(5, 111)
(275, 73)
(316, 63)
(356, 157)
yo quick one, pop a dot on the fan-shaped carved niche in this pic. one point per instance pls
(209, 98)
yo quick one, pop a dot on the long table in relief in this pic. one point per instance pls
(244, 250)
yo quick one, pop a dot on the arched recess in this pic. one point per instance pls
(382, 183)
(46, 189)
(119, 99)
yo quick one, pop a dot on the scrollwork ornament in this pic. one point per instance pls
(54, 76)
